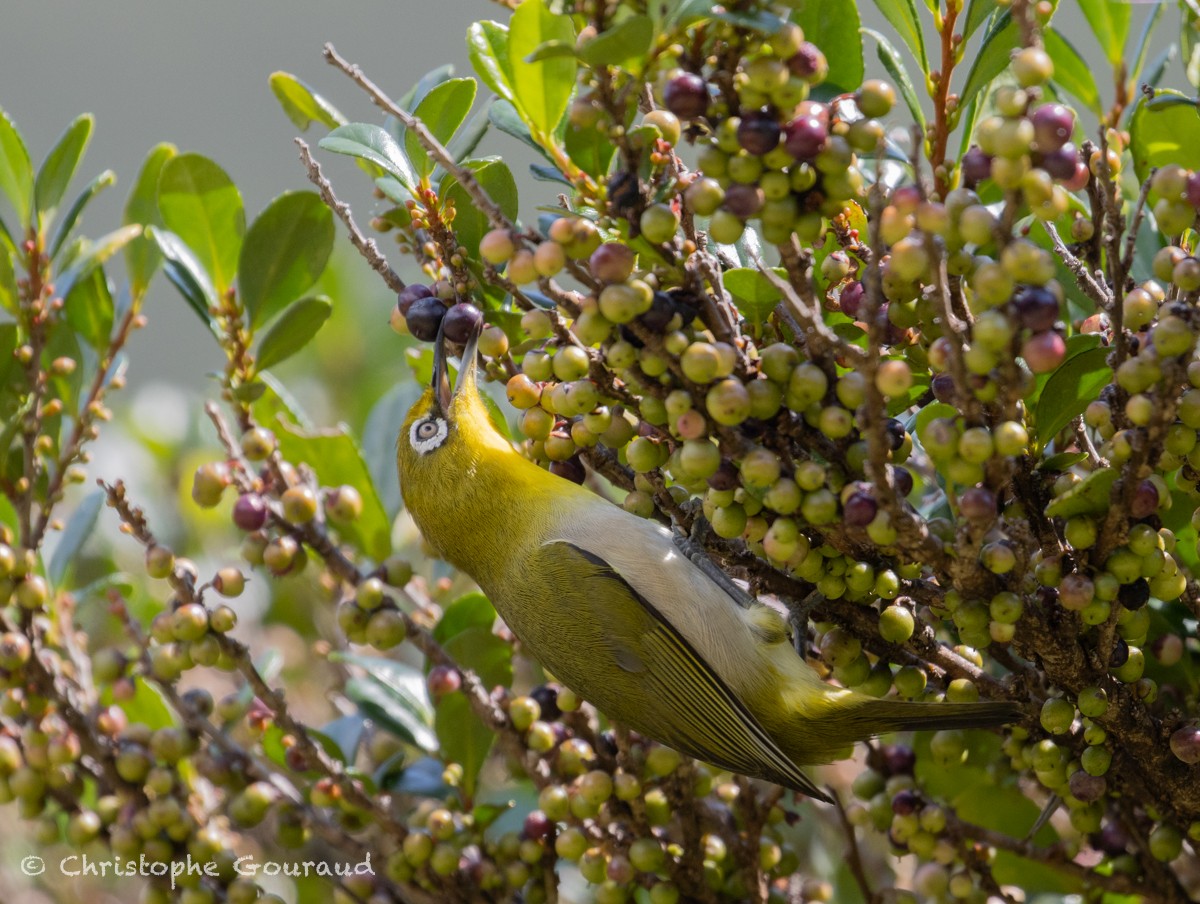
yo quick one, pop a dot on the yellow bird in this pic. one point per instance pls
(606, 602)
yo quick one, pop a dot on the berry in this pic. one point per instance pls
(758, 133)
(1052, 126)
(1037, 308)
(805, 137)
(686, 96)
(461, 321)
(424, 317)
(1043, 352)
(250, 512)
(409, 294)
(612, 262)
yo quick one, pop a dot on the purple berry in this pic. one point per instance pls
(461, 320)
(758, 133)
(1037, 307)
(686, 96)
(409, 294)
(1135, 595)
(1185, 744)
(743, 201)
(859, 510)
(1061, 163)
(805, 137)
(808, 62)
(1052, 126)
(902, 480)
(1145, 500)
(1193, 189)
(250, 511)
(572, 469)
(978, 504)
(976, 166)
(1087, 788)
(943, 388)
(424, 317)
(852, 298)
(898, 759)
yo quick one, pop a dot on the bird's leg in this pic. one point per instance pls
(798, 612)
(692, 547)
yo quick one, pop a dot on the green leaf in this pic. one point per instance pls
(977, 14)
(1063, 461)
(79, 528)
(185, 272)
(67, 223)
(16, 172)
(487, 47)
(60, 164)
(625, 44)
(1109, 20)
(902, 15)
(1091, 495)
(396, 709)
(839, 38)
(1071, 71)
(466, 139)
(542, 88)
(890, 57)
(992, 58)
(470, 223)
(285, 251)
(335, 458)
(8, 280)
(471, 610)
(374, 144)
(294, 329)
(589, 148)
(463, 737)
(146, 706)
(1143, 43)
(89, 309)
(1071, 388)
(96, 255)
(442, 111)
(1164, 134)
(142, 256)
(505, 117)
(302, 105)
(345, 734)
(200, 204)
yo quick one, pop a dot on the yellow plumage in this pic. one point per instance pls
(607, 603)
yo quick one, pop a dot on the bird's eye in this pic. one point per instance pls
(428, 434)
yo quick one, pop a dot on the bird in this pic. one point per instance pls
(611, 606)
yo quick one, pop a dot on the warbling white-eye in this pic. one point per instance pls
(609, 604)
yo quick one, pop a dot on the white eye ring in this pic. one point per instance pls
(427, 434)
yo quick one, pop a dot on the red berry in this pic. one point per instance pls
(859, 510)
(1062, 163)
(805, 137)
(1044, 351)
(852, 298)
(250, 512)
(443, 680)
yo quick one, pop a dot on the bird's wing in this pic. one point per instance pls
(710, 722)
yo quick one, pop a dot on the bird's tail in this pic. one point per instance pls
(896, 715)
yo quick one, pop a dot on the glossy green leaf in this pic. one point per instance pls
(374, 144)
(1090, 496)
(838, 36)
(1063, 461)
(442, 111)
(464, 738)
(96, 255)
(200, 204)
(1071, 71)
(185, 272)
(284, 253)
(495, 178)
(335, 458)
(1160, 134)
(60, 164)
(294, 329)
(16, 172)
(426, 83)
(345, 734)
(142, 256)
(78, 529)
(471, 610)
(1109, 20)
(504, 116)
(1068, 392)
(302, 105)
(625, 44)
(992, 58)
(89, 309)
(487, 47)
(589, 148)
(145, 706)
(393, 695)
(552, 49)
(902, 16)
(892, 62)
(466, 139)
(8, 280)
(543, 88)
(977, 13)
(64, 226)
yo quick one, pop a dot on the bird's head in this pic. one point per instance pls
(447, 432)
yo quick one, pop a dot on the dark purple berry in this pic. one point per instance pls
(743, 201)
(859, 510)
(686, 96)
(1135, 595)
(662, 310)
(898, 759)
(943, 388)
(572, 469)
(1193, 189)
(1087, 788)
(895, 433)
(409, 294)
(725, 478)
(1185, 744)
(537, 825)
(902, 480)
(758, 133)
(1061, 164)
(461, 321)
(1037, 308)
(1052, 126)
(424, 317)
(852, 298)
(805, 137)
(547, 699)
(1145, 500)
(976, 166)
(905, 802)
(1120, 654)
(978, 504)
(250, 511)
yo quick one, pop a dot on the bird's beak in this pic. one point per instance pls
(441, 374)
